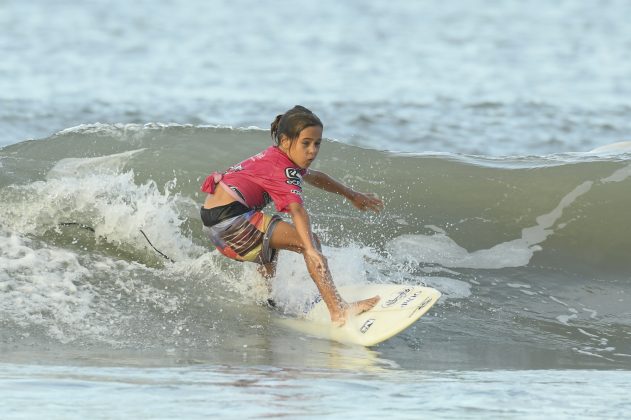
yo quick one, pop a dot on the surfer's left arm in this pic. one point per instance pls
(363, 201)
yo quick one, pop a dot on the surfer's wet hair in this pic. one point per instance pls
(292, 122)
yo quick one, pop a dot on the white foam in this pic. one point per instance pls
(76, 167)
(588, 353)
(518, 285)
(565, 319)
(587, 334)
(614, 148)
(93, 192)
(123, 130)
(294, 289)
(70, 296)
(522, 288)
(441, 249)
(43, 286)
(450, 288)
(558, 301)
(437, 269)
(619, 175)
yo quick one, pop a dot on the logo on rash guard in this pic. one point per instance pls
(293, 176)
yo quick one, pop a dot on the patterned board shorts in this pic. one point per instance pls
(245, 237)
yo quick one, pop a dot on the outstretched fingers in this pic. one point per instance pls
(368, 201)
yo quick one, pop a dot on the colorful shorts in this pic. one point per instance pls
(245, 237)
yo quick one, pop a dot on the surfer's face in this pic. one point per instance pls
(303, 150)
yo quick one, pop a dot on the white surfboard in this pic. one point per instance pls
(400, 306)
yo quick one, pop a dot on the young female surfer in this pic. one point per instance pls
(232, 211)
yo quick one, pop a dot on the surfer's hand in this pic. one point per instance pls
(367, 201)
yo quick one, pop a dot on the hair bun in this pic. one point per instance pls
(274, 127)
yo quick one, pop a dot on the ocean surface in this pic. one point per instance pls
(497, 134)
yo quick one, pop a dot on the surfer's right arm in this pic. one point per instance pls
(362, 201)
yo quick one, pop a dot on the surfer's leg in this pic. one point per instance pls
(285, 236)
(268, 270)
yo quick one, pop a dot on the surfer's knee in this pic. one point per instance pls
(316, 241)
(302, 247)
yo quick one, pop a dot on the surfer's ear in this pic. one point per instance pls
(284, 142)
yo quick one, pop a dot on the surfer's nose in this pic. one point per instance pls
(312, 152)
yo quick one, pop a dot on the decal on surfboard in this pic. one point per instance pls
(367, 325)
(395, 297)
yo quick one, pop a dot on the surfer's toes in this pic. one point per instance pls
(353, 309)
(362, 306)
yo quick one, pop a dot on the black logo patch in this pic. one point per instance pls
(293, 176)
(367, 325)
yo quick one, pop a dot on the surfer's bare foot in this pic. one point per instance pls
(362, 306)
(353, 309)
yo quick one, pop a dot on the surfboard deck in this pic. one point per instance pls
(400, 306)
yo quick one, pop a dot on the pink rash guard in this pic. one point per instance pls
(268, 176)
